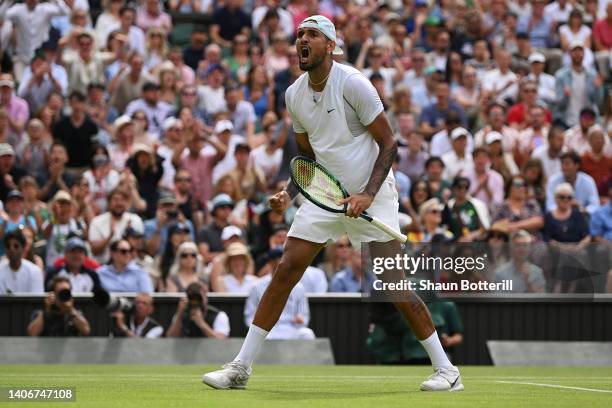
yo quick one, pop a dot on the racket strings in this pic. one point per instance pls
(317, 184)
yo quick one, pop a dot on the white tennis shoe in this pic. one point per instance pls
(231, 376)
(443, 379)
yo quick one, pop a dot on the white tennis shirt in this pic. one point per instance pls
(336, 121)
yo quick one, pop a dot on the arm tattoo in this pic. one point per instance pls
(383, 163)
(416, 304)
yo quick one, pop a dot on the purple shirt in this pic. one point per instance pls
(19, 112)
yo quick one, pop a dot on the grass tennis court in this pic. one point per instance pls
(315, 386)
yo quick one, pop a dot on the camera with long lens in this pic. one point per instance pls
(112, 303)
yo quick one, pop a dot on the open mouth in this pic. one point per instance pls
(304, 53)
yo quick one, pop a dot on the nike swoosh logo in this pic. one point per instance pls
(454, 382)
(330, 110)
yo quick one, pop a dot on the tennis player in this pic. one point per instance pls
(338, 120)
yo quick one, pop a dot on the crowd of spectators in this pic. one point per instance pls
(137, 152)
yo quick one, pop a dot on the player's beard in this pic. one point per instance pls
(314, 62)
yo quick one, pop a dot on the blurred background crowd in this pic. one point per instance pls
(139, 141)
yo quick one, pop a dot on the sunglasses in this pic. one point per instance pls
(188, 255)
(123, 251)
(497, 235)
(564, 197)
(461, 187)
(185, 179)
(14, 245)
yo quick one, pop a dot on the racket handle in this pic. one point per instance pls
(384, 227)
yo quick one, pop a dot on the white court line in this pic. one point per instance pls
(304, 377)
(556, 386)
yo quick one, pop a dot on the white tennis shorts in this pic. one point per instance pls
(315, 224)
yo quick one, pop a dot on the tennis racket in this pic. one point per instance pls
(322, 189)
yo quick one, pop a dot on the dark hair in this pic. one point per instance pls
(115, 244)
(95, 85)
(150, 86)
(195, 288)
(376, 77)
(232, 86)
(242, 147)
(448, 71)
(553, 129)
(57, 279)
(452, 118)
(78, 95)
(460, 179)
(16, 235)
(434, 159)
(83, 35)
(125, 9)
(120, 191)
(481, 149)
(272, 12)
(575, 13)
(250, 76)
(511, 181)
(572, 155)
(541, 180)
(495, 105)
(146, 118)
(413, 189)
(57, 144)
(167, 259)
(30, 254)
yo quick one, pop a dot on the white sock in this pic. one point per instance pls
(250, 348)
(438, 357)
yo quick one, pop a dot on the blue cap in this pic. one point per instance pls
(75, 243)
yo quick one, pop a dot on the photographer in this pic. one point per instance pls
(59, 317)
(139, 323)
(195, 318)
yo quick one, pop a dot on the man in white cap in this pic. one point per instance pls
(224, 130)
(338, 119)
(459, 160)
(545, 82)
